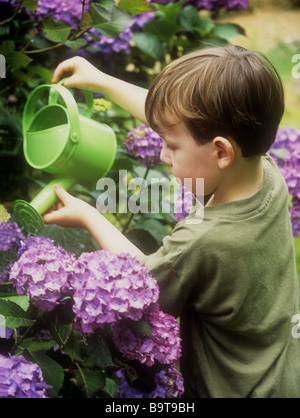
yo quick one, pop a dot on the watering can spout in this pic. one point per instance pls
(29, 215)
(61, 141)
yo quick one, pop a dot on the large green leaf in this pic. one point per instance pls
(53, 373)
(31, 5)
(107, 18)
(190, 20)
(14, 315)
(170, 10)
(149, 44)
(154, 228)
(136, 7)
(55, 30)
(59, 325)
(118, 23)
(99, 352)
(17, 59)
(91, 381)
(228, 30)
(163, 28)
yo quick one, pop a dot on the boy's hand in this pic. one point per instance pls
(82, 74)
(74, 212)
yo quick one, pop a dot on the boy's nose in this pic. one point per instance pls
(164, 156)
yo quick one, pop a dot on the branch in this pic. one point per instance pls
(14, 14)
(50, 48)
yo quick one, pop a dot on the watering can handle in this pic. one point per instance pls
(73, 113)
(53, 96)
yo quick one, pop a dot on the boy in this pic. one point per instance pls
(231, 278)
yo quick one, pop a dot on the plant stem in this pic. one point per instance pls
(50, 48)
(125, 228)
(14, 14)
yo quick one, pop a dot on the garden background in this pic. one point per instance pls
(133, 40)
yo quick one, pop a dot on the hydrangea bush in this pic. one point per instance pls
(21, 379)
(79, 310)
(286, 153)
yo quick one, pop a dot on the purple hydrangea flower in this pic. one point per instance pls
(145, 145)
(11, 236)
(21, 379)
(168, 384)
(183, 203)
(163, 346)
(69, 11)
(43, 272)
(286, 153)
(108, 287)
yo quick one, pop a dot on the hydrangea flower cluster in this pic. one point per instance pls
(21, 379)
(145, 145)
(286, 153)
(183, 203)
(11, 236)
(163, 346)
(168, 384)
(108, 287)
(69, 11)
(43, 272)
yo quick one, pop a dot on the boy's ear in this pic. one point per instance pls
(224, 151)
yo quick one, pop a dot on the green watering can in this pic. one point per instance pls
(61, 141)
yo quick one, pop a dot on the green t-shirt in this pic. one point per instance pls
(232, 280)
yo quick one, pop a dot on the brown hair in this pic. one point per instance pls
(220, 91)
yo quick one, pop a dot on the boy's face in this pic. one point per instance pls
(188, 159)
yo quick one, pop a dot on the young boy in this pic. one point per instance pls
(231, 278)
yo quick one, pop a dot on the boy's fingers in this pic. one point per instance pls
(62, 68)
(62, 194)
(51, 218)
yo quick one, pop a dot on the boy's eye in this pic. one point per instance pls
(170, 147)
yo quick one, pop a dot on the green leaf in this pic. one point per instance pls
(228, 30)
(190, 20)
(75, 346)
(99, 352)
(170, 10)
(53, 373)
(136, 7)
(55, 30)
(154, 228)
(17, 60)
(59, 326)
(149, 44)
(14, 315)
(119, 21)
(31, 5)
(91, 381)
(42, 72)
(140, 327)
(76, 44)
(74, 240)
(32, 345)
(163, 28)
(110, 387)
(20, 300)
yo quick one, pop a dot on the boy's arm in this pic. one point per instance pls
(78, 214)
(87, 77)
